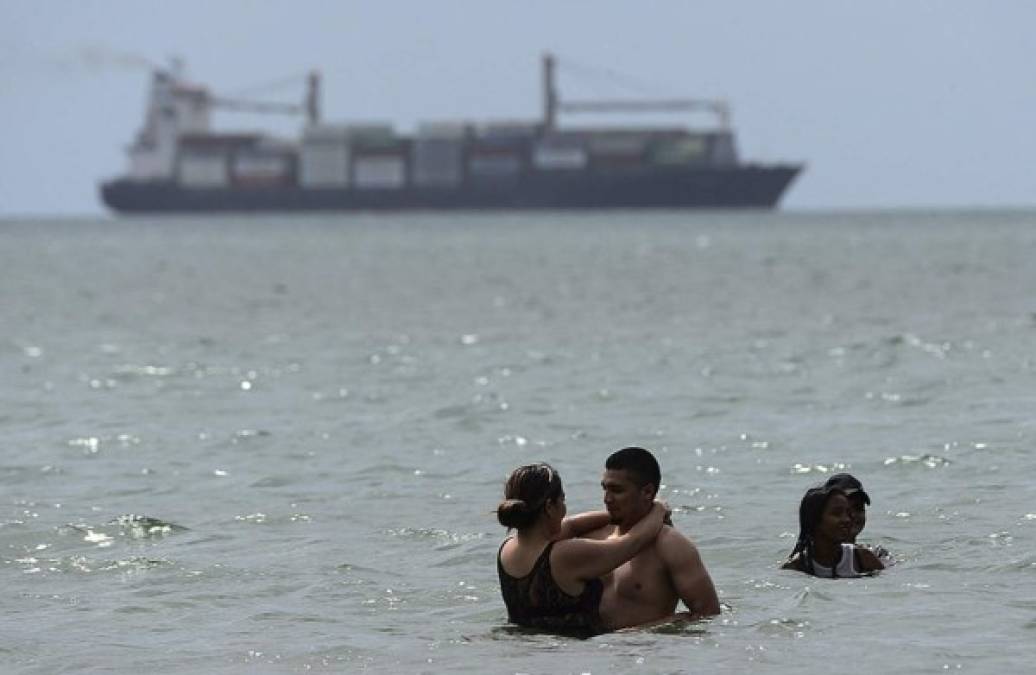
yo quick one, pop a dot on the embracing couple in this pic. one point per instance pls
(599, 571)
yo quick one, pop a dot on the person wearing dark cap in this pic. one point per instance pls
(823, 548)
(859, 500)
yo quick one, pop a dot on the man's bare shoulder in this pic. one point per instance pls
(675, 547)
(686, 569)
(670, 537)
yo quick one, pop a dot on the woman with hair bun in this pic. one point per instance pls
(549, 578)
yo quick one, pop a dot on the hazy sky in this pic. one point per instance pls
(889, 102)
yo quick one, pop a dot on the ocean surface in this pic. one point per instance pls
(274, 444)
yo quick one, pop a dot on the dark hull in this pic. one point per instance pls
(748, 186)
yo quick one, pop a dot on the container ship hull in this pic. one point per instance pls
(751, 186)
(177, 163)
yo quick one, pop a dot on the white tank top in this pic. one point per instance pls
(845, 567)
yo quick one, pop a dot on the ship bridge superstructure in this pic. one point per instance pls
(174, 108)
(178, 118)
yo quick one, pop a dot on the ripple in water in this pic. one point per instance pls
(129, 526)
(443, 536)
(80, 564)
(819, 468)
(784, 626)
(924, 461)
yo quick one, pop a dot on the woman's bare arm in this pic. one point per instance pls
(584, 559)
(582, 523)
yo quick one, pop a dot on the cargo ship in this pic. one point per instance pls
(178, 163)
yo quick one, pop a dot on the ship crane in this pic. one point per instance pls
(310, 107)
(552, 103)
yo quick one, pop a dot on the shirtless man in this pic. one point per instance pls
(646, 589)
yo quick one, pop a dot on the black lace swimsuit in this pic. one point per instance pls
(536, 600)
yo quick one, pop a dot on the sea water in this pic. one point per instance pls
(274, 444)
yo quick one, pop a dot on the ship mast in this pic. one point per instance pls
(313, 98)
(550, 94)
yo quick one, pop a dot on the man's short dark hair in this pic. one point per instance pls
(641, 465)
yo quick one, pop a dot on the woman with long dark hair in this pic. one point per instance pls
(549, 578)
(824, 547)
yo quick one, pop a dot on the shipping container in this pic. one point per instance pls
(202, 169)
(559, 155)
(371, 136)
(617, 150)
(324, 165)
(258, 168)
(372, 130)
(617, 144)
(379, 171)
(496, 165)
(509, 130)
(203, 159)
(437, 162)
(324, 157)
(691, 149)
(443, 130)
(332, 133)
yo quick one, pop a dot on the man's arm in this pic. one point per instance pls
(689, 576)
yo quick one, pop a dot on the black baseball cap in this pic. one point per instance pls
(848, 484)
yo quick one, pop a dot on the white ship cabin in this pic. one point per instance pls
(174, 109)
